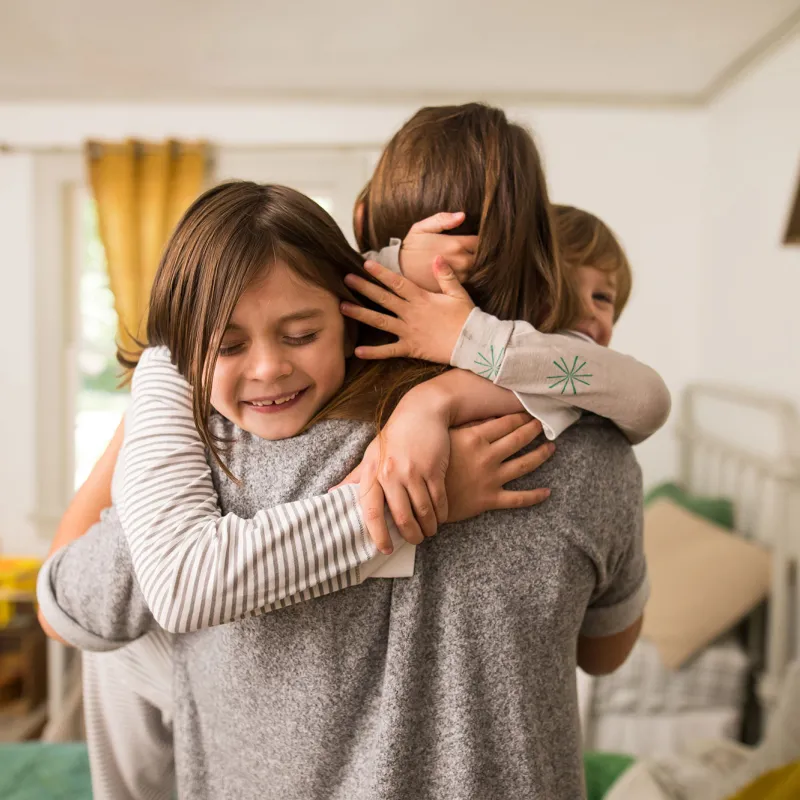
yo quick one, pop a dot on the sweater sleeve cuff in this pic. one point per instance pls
(608, 620)
(555, 416)
(61, 622)
(388, 257)
(481, 346)
(399, 563)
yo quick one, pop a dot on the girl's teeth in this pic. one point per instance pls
(276, 402)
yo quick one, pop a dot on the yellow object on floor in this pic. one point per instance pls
(17, 584)
(780, 784)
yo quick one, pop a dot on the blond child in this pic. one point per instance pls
(554, 376)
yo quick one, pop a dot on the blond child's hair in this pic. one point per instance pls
(586, 241)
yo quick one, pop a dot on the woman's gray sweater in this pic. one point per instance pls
(456, 683)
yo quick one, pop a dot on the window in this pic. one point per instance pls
(78, 399)
(99, 402)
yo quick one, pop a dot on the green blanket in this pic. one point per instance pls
(602, 772)
(37, 771)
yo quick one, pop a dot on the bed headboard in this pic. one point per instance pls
(746, 446)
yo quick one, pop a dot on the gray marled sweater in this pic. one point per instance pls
(456, 683)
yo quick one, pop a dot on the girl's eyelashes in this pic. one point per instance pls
(230, 349)
(292, 341)
(298, 341)
(602, 297)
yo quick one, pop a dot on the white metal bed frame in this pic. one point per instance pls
(764, 490)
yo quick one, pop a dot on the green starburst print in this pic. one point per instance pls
(489, 366)
(569, 376)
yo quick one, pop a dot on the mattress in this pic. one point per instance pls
(716, 678)
(646, 735)
(645, 709)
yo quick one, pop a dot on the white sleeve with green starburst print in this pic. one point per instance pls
(556, 375)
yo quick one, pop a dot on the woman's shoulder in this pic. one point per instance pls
(596, 449)
(599, 482)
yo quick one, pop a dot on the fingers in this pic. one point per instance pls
(383, 322)
(438, 494)
(381, 352)
(448, 280)
(524, 499)
(372, 507)
(443, 221)
(499, 427)
(376, 293)
(423, 506)
(514, 441)
(462, 265)
(400, 507)
(526, 463)
(397, 283)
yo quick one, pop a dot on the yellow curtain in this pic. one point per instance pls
(140, 189)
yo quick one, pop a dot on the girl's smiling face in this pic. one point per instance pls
(282, 355)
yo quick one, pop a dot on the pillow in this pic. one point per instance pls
(714, 509)
(703, 580)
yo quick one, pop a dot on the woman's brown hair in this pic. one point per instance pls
(586, 241)
(470, 158)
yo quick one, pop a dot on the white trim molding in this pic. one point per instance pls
(57, 177)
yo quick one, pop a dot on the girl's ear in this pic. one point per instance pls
(358, 220)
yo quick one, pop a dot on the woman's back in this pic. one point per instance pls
(457, 682)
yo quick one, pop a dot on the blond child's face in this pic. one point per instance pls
(598, 293)
(282, 356)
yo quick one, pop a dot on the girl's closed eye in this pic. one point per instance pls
(230, 349)
(603, 297)
(306, 338)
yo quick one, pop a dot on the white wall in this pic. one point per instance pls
(751, 333)
(644, 171)
(16, 353)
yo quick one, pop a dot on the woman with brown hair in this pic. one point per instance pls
(454, 683)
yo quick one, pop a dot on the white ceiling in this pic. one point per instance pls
(653, 51)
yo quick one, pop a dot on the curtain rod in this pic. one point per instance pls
(35, 148)
(44, 149)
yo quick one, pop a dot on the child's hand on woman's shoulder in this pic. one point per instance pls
(429, 474)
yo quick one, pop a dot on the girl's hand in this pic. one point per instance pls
(407, 464)
(481, 465)
(408, 461)
(425, 241)
(427, 324)
(434, 486)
